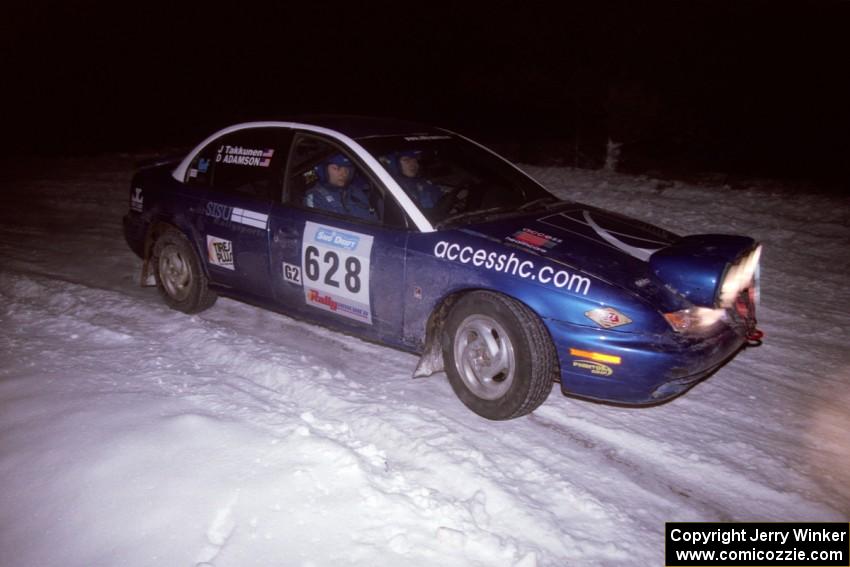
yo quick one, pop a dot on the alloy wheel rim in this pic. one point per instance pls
(175, 274)
(484, 357)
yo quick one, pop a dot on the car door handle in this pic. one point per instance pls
(281, 234)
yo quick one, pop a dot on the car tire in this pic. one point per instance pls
(499, 357)
(179, 277)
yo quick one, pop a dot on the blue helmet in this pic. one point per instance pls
(393, 159)
(337, 159)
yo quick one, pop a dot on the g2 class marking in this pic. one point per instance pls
(292, 273)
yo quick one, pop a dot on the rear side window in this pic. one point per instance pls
(200, 170)
(248, 162)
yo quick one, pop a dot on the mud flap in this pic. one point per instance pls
(431, 360)
(432, 355)
(147, 278)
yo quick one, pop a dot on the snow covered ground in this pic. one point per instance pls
(134, 435)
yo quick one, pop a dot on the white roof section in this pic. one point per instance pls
(422, 223)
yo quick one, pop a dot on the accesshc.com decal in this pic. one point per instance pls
(510, 264)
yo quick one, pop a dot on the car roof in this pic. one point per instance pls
(359, 127)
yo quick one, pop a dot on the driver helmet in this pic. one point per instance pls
(393, 159)
(321, 169)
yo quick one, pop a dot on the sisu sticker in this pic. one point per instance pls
(203, 165)
(335, 265)
(234, 214)
(220, 252)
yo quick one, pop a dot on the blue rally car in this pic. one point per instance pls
(421, 239)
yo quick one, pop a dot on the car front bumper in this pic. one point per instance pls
(651, 368)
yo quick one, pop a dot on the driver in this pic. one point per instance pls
(406, 169)
(337, 191)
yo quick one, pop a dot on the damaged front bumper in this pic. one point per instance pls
(639, 369)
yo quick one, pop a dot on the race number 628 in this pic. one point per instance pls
(327, 269)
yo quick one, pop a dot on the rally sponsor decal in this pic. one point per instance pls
(137, 200)
(244, 217)
(237, 155)
(220, 252)
(337, 238)
(596, 368)
(607, 317)
(339, 306)
(335, 265)
(513, 265)
(534, 240)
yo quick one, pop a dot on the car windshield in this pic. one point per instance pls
(454, 181)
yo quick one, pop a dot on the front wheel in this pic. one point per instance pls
(179, 276)
(499, 357)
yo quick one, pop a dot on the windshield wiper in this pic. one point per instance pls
(495, 210)
(539, 201)
(473, 214)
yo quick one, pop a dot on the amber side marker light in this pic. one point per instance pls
(597, 356)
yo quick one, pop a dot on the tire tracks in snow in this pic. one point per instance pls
(423, 463)
(470, 482)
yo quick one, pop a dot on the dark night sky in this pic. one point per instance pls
(755, 87)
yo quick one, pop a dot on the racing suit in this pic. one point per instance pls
(352, 200)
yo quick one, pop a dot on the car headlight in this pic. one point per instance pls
(739, 277)
(694, 318)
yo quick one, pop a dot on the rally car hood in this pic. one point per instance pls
(631, 254)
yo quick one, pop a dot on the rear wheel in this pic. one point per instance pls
(179, 276)
(499, 357)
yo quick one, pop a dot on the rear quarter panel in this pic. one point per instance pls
(156, 197)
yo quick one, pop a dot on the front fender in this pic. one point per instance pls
(442, 267)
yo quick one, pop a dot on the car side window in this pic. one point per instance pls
(324, 177)
(200, 171)
(248, 162)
